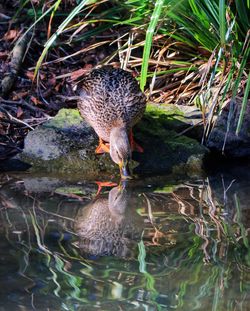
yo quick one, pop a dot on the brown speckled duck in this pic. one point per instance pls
(109, 225)
(112, 103)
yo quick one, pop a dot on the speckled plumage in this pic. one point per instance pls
(108, 226)
(110, 98)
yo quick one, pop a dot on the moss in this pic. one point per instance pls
(71, 190)
(169, 116)
(70, 147)
(65, 118)
(155, 125)
(165, 189)
(164, 148)
(166, 110)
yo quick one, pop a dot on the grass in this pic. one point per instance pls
(59, 30)
(192, 52)
(148, 41)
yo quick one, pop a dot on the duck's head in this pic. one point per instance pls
(120, 150)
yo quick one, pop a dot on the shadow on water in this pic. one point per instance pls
(152, 244)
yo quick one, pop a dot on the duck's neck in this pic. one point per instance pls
(119, 134)
(119, 143)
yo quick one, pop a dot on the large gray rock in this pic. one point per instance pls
(64, 144)
(67, 143)
(223, 137)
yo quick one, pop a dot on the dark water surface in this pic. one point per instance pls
(158, 243)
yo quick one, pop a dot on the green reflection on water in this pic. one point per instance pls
(132, 247)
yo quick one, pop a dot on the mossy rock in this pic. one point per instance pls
(165, 150)
(66, 144)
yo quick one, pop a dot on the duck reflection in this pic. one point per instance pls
(109, 225)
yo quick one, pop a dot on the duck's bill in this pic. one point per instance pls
(125, 172)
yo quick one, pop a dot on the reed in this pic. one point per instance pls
(181, 51)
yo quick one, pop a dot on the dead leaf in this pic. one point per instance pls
(20, 95)
(57, 87)
(35, 100)
(52, 80)
(30, 75)
(19, 112)
(80, 72)
(3, 55)
(11, 34)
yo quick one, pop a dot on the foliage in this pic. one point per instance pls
(193, 51)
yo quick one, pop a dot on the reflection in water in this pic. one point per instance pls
(150, 245)
(109, 225)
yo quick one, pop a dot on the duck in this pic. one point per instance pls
(109, 225)
(111, 101)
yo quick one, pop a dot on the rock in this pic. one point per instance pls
(60, 135)
(66, 143)
(13, 165)
(165, 150)
(223, 138)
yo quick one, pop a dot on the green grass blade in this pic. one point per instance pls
(244, 106)
(242, 67)
(148, 43)
(38, 20)
(142, 257)
(228, 83)
(54, 11)
(195, 25)
(222, 20)
(243, 11)
(213, 9)
(60, 29)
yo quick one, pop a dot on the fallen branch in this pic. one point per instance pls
(22, 103)
(15, 65)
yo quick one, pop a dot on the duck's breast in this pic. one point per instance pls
(111, 99)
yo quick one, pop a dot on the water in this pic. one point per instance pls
(159, 243)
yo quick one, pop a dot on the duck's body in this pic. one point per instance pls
(110, 98)
(109, 225)
(111, 101)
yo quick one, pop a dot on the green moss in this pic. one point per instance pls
(74, 162)
(167, 115)
(156, 125)
(183, 141)
(71, 190)
(165, 189)
(65, 118)
(164, 148)
(66, 144)
(164, 110)
(159, 118)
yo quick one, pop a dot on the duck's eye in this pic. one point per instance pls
(118, 155)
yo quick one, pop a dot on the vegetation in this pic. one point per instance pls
(193, 52)
(216, 31)
(190, 51)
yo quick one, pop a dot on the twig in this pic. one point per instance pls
(3, 16)
(15, 119)
(23, 103)
(15, 65)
